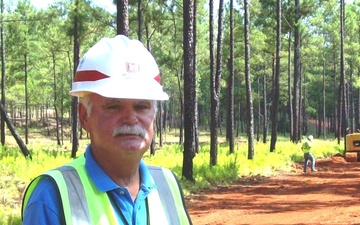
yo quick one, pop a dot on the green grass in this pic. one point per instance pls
(16, 171)
(231, 167)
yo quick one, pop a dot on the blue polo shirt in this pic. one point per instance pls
(44, 207)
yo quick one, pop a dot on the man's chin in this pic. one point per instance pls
(132, 143)
(134, 146)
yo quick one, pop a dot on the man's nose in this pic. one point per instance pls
(128, 115)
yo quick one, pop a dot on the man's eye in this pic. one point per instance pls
(142, 107)
(113, 107)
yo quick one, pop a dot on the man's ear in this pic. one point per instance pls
(83, 116)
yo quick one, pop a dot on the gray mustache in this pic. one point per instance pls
(133, 130)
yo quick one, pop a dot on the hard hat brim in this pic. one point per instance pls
(121, 88)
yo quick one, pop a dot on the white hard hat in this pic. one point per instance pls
(118, 68)
(310, 137)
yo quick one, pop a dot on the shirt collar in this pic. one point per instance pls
(104, 183)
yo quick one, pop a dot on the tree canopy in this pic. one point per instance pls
(43, 40)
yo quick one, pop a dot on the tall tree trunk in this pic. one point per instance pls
(15, 134)
(297, 74)
(351, 106)
(357, 109)
(140, 18)
(237, 119)
(230, 86)
(55, 102)
(258, 122)
(302, 115)
(213, 132)
(152, 146)
(181, 101)
(215, 97)
(179, 78)
(290, 96)
(62, 110)
(324, 98)
(196, 113)
(265, 112)
(122, 17)
(336, 104)
(161, 112)
(3, 73)
(276, 91)
(189, 90)
(341, 115)
(318, 119)
(74, 105)
(249, 103)
(26, 102)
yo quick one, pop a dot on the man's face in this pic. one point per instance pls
(118, 126)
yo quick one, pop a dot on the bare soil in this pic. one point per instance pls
(328, 196)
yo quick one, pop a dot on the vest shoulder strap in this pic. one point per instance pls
(171, 196)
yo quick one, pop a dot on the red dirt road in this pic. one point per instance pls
(329, 196)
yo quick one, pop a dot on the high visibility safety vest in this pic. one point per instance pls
(82, 203)
(306, 146)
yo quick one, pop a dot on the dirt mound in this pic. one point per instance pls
(329, 196)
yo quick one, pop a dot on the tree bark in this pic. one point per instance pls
(196, 110)
(249, 103)
(74, 105)
(181, 101)
(324, 98)
(297, 75)
(15, 134)
(215, 89)
(122, 17)
(213, 131)
(342, 124)
(290, 96)
(26, 101)
(55, 101)
(140, 18)
(3, 73)
(189, 90)
(230, 108)
(276, 87)
(265, 112)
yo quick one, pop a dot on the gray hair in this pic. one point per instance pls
(86, 101)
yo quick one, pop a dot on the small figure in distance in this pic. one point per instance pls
(118, 82)
(308, 156)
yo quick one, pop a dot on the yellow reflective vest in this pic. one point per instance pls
(83, 203)
(306, 146)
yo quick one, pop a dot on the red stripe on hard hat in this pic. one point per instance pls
(89, 75)
(158, 78)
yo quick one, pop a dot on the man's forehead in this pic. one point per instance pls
(122, 100)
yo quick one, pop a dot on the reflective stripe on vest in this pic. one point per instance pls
(84, 204)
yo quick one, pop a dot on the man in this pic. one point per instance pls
(306, 147)
(119, 83)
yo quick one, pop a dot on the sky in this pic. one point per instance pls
(106, 4)
(43, 4)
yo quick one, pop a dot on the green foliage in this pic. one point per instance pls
(16, 171)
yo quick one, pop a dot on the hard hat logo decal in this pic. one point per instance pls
(132, 67)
